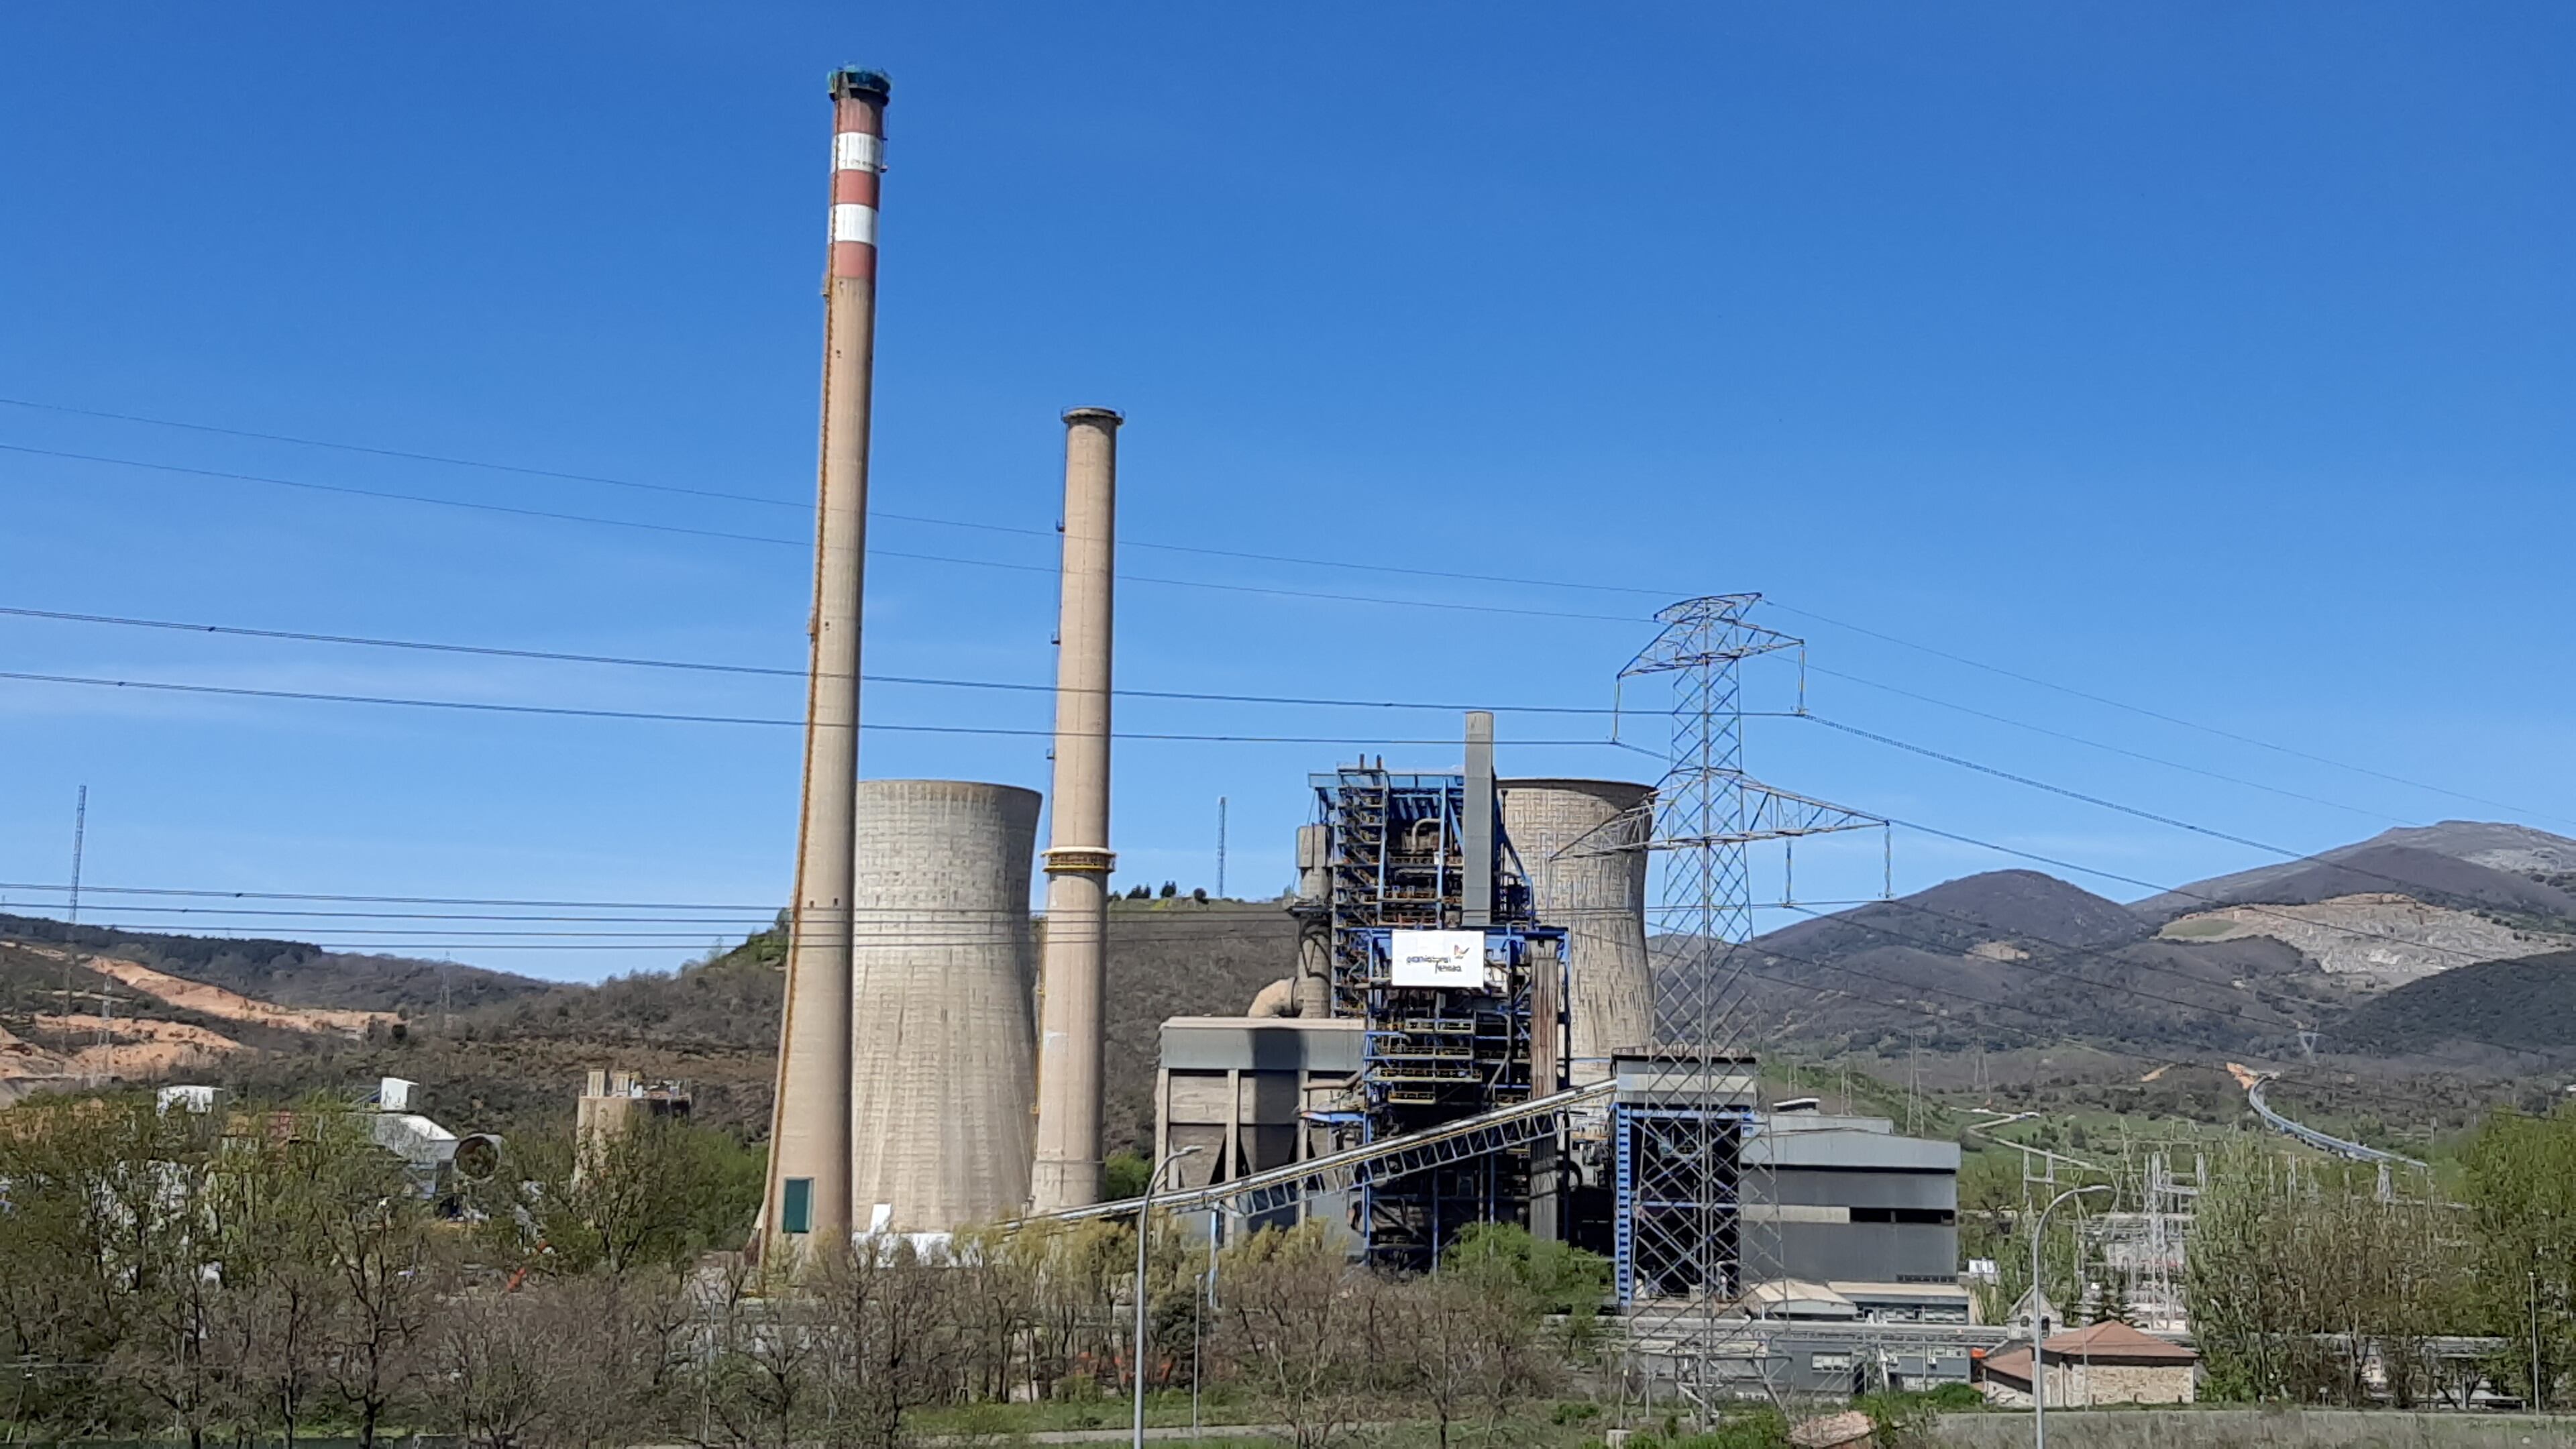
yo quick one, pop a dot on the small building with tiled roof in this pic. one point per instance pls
(2108, 1363)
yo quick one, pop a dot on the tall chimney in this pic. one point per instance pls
(1078, 857)
(809, 1137)
(1476, 835)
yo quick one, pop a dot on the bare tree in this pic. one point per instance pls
(885, 1305)
(1296, 1320)
(760, 1361)
(492, 1357)
(372, 1228)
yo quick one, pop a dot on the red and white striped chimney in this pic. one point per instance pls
(858, 156)
(808, 1197)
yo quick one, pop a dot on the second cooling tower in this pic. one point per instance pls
(941, 1035)
(1582, 844)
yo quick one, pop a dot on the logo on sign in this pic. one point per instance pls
(1449, 960)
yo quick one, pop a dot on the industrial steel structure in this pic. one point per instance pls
(809, 1137)
(1433, 944)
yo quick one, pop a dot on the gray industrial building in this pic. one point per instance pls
(1252, 1092)
(1853, 1202)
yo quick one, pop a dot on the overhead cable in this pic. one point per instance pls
(771, 671)
(673, 528)
(1379, 567)
(2154, 714)
(865, 727)
(1373, 567)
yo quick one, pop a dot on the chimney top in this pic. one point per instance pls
(869, 85)
(1106, 416)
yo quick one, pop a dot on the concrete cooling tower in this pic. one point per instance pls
(1580, 841)
(941, 1033)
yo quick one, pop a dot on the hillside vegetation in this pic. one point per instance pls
(508, 1053)
(2007, 977)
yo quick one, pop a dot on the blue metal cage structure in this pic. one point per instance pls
(1432, 1055)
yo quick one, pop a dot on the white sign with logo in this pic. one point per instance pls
(1454, 960)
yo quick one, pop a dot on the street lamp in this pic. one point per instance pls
(2038, 1355)
(1145, 1220)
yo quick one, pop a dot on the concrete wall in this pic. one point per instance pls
(2283, 1428)
(943, 1040)
(1568, 835)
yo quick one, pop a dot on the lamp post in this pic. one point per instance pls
(1144, 1221)
(2038, 1355)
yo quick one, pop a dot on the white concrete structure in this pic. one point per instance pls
(942, 966)
(1581, 844)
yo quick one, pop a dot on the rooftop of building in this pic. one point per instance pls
(2108, 1342)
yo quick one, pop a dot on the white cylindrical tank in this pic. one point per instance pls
(942, 1043)
(1581, 842)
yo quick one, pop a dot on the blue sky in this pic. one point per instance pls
(2211, 358)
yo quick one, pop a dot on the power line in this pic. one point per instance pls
(673, 528)
(204, 894)
(2290, 856)
(1374, 567)
(2153, 714)
(526, 471)
(2094, 744)
(707, 666)
(768, 671)
(865, 727)
(520, 469)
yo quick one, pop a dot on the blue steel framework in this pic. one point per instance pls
(1430, 1056)
(1675, 1167)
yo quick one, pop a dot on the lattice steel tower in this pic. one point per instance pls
(1687, 1248)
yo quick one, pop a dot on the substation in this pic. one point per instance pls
(1511, 1000)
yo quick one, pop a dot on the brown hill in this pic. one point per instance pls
(509, 1053)
(2001, 907)
(2495, 1007)
(2376, 866)
(287, 973)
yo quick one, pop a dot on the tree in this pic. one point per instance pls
(2298, 1277)
(652, 1196)
(2520, 1183)
(1297, 1319)
(759, 1374)
(372, 1230)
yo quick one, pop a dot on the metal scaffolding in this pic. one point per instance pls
(1685, 1108)
(1397, 861)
